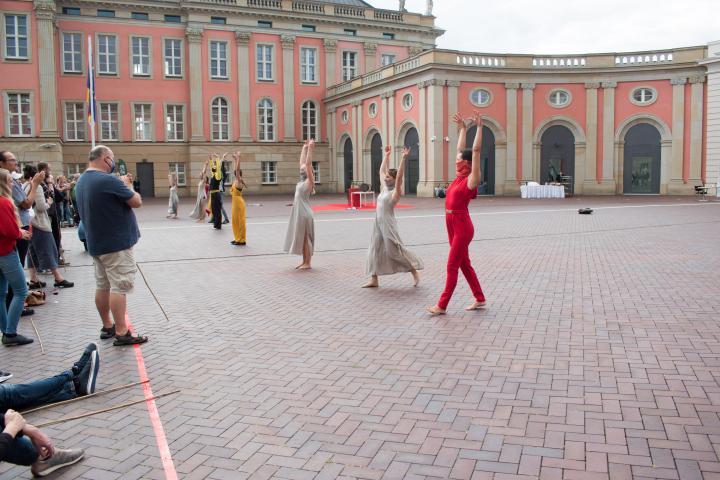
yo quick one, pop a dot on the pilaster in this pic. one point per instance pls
(434, 138)
(676, 185)
(591, 133)
(452, 87)
(697, 103)
(370, 56)
(608, 134)
(511, 179)
(242, 39)
(422, 130)
(390, 95)
(357, 141)
(527, 131)
(45, 17)
(195, 71)
(288, 50)
(330, 46)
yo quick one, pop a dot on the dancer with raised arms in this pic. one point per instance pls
(300, 237)
(457, 217)
(199, 212)
(237, 212)
(387, 254)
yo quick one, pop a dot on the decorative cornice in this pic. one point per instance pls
(528, 86)
(415, 50)
(697, 79)
(242, 37)
(330, 45)
(356, 103)
(435, 82)
(592, 85)
(387, 94)
(370, 48)
(287, 41)
(194, 33)
(331, 110)
(608, 84)
(512, 85)
(44, 10)
(452, 83)
(678, 81)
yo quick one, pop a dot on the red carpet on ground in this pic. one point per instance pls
(344, 206)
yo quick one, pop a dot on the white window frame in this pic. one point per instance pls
(479, 103)
(17, 37)
(73, 168)
(268, 172)
(116, 123)
(146, 109)
(344, 117)
(307, 67)
(553, 95)
(29, 116)
(262, 123)
(180, 172)
(309, 128)
(102, 58)
(78, 123)
(316, 171)
(372, 109)
(174, 122)
(147, 56)
(173, 58)
(216, 71)
(220, 123)
(76, 54)
(643, 102)
(229, 175)
(407, 101)
(261, 63)
(387, 59)
(349, 72)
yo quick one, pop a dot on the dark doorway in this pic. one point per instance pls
(348, 163)
(487, 159)
(557, 154)
(641, 169)
(412, 169)
(376, 156)
(146, 176)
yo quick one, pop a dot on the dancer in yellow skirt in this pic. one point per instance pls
(238, 203)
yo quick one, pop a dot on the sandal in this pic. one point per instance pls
(36, 285)
(64, 284)
(128, 339)
(106, 333)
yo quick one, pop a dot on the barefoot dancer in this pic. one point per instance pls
(386, 254)
(457, 218)
(173, 200)
(199, 212)
(237, 211)
(300, 237)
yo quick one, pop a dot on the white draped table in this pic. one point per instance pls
(542, 191)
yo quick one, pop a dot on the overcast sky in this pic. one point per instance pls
(570, 26)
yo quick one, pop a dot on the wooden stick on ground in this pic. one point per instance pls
(97, 412)
(101, 392)
(42, 349)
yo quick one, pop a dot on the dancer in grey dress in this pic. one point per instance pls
(300, 236)
(387, 254)
(173, 200)
(199, 212)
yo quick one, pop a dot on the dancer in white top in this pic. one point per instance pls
(387, 254)
(173, 200)
(300, 236)
(199, 212)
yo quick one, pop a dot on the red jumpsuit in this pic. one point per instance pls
(460, 233)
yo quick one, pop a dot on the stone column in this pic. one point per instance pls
(242, 39)
(608, 139)
(422, 131)
(697, 113)
(330, 61)
(676, 185)
(384, 119)
(288, 50)
(357, 141)
(45, 17)
(452, 87)
(511, 178)
(528, 172)
(195, 71)
(434, 138)
(591, 132)
(370, 56)
(391, 126)
(332, 149)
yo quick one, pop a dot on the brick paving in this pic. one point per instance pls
(598, 355)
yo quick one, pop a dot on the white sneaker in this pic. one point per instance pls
(61, 458)
(4, 376)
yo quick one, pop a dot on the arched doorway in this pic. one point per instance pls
(412, 169)
(348, 163)
(557, 154)
(641, 169)
(487, 159)
(376, 156)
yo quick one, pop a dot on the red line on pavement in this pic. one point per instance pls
(165, 456)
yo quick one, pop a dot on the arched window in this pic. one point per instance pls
(559, 98)
(220, 119)
(309, 120)
(266, 119)
(480, 97)
(643, 96)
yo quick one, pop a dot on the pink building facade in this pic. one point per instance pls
(177, 81)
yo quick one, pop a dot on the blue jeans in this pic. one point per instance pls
(22, 452)
(11, 272)
(65, 214)
(49, 390)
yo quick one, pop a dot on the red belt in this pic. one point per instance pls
(456, 212)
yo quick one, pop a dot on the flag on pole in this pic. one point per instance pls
(90, 94)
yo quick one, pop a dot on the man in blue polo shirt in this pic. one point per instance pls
(106, 203)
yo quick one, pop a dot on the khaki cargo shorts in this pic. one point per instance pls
(115, 271)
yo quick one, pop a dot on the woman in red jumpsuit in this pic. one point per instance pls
(457, 218)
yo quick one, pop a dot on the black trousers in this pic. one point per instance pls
(22, 248)
(216, 200)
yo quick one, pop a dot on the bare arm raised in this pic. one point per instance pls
(474, 178)
(462, 128)
(308, 163)
(303, 155)
(400, 174)
(384, 166)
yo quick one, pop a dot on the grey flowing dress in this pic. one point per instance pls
(301, 223)
(173, 201)
(198, 212)
(387, 254)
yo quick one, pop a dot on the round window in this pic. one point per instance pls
(559, 98)
(643, 96)
(407, 101)
(372, 110)
(480, 97)
(344, 116)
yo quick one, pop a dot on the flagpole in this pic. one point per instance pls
(91, 81)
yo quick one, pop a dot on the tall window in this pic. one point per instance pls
(73, 168)
(316, 171)
(308, 65)
(174, 123)
(16, 37)
(264, 57)
(72, 52)
(109, 121)
(218, 60)
(74, 121)
(220, 119)
(265, 118)
(107, 54)
(179, 170)
(173, 57)
(140, 56)
(142, 123)
(387, 59)
(269, 172)
(309, 120)
(18, 114)
(349, 65)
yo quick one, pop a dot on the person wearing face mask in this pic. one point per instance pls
(387, 254)
(300, 236)
(457, 218)
(106, 204)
